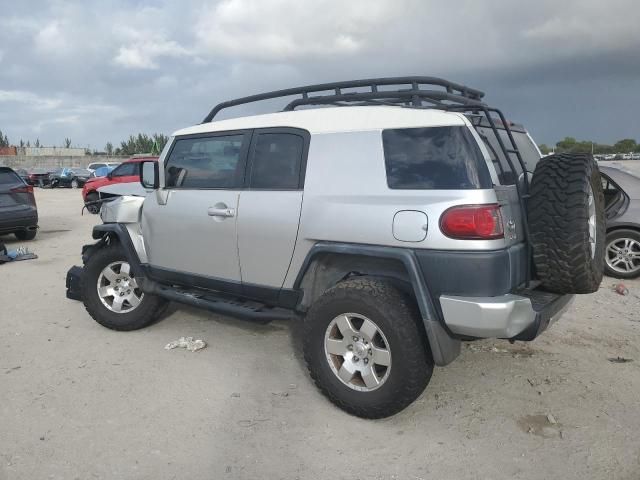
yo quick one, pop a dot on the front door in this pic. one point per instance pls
(189, 227)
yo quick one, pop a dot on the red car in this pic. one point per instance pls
(126, 172)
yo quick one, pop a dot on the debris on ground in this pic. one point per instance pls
(186, 342)
(551, 419)
(620, 360)
(620, 289)
(15, 255)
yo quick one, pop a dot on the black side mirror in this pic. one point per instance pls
(149, 174)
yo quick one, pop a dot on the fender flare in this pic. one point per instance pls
(104, 233)
(444, 348)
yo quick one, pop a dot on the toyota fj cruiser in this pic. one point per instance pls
(405, 217)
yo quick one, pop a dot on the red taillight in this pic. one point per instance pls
(472, 222)
(25, 189)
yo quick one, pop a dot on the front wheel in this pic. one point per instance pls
(74, 183)
(92, 208)
(365, 347)
(112, 295)
(622, 255)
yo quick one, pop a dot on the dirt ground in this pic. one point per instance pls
(78, 401)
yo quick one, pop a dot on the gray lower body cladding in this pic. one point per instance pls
(433, 274)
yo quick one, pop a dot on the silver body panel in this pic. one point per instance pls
(503, 316)
(263, 237)
(181, 235)
(267, 231)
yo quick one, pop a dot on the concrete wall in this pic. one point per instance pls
(26, 161)
(51, 151)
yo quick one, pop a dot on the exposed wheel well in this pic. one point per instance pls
(623, 227)
(327, 269)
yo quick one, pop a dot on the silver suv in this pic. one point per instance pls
(404, 217)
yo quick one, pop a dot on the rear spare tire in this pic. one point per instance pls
(566, 223)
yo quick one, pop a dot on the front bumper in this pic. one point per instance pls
(521, 316)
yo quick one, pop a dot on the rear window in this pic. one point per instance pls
(434, 158)
(7, 177)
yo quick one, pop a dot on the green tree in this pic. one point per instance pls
(108, 148)
(67, 143)
(625, 145)
(4, 140)
(544, 148)
(37, 144)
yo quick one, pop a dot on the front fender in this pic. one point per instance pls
(110, 232)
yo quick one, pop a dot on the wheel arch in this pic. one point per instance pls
(327, 264)
(106, 234)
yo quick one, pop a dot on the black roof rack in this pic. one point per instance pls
(408, 92)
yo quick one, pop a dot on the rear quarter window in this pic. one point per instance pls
(434, 158)
(7, 177)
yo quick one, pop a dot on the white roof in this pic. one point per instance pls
(336, 119)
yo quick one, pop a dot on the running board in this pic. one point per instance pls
(243, 309)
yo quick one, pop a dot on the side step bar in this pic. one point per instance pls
(252, 311)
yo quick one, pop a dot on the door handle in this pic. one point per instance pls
(221, 212)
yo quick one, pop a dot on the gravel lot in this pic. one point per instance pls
(80, 401)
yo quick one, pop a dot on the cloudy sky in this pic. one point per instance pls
(96, 71)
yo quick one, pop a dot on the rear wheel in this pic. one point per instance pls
(74, 183)
(26, 234)
(622, 257)
(566, 221)
(92, 197)
(365, 348)
(112, 295)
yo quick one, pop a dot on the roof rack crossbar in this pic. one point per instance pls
(399, 97)
(414, 95)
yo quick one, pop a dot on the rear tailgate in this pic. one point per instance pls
(16, 201)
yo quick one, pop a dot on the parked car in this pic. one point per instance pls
(23, 173)
(384, 221)
(102, 171)
(622, 212)
(127, 171)
(18, 210)
(69, 177)
(38, 177)
(96, 165)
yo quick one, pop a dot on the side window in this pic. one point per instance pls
(276, 161)
(126, 170)
(206, 162)
(434, 158)
(7, 177)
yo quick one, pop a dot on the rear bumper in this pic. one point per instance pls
(18, 221)
(513, 316)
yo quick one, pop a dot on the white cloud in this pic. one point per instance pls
(29, 99)
(143, 53)
(281, 30)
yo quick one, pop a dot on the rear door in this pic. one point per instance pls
(269, 209)
(190, 228)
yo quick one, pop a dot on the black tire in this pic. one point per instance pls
(147, 312)
(93, 197)
(558, 222)
(397, 316)
(26, 234)
(74, 183)
(616, 237)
